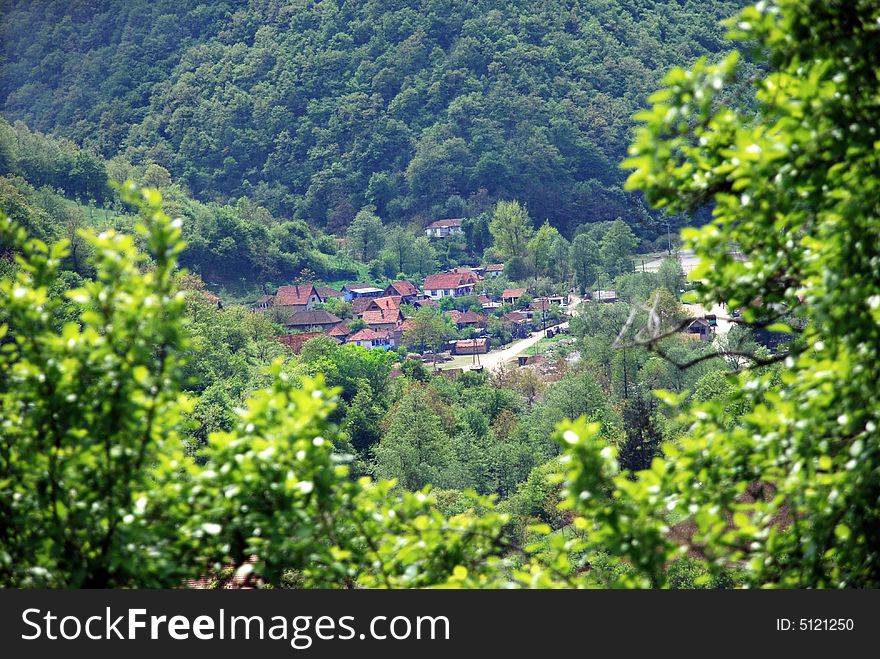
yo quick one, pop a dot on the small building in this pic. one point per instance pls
(517, 322)
(426, 302)
(385, 302)
(339, 331)
(450, 284)
(604, 296)
(312, 320)
(383, 319)
(469, 319)
(300, 297)
(369, 338)
(263, 302)
(701, 328)
(326, 293)
(512, 295)
(471, 347)
(494, 269)
(355, 291)
(444, 228)
(405, 289)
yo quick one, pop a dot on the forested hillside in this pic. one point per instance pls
(315, 109)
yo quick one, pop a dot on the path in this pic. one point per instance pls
(492, 360)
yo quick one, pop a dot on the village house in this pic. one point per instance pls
(467, 319)
(263, 302)
(369, 338)
(700, 328)
(487, 304)
(471, 347)
(312, 320)
(517, 322)
(512, 295)
(405, 289)
(425, 302)
(355, 291)
(326, 293)
(361, 304)
(339, 331)
(383, 319)
(444, 228)
(450, 284)
(300, 297)
(389, 302)
(494, 269)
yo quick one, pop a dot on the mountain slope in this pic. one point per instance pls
(317, 108)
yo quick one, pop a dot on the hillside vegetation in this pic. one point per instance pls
(315, 109)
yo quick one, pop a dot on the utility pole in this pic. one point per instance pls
(668, 238)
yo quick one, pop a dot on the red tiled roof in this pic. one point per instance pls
(389, 302)
(367, 334)
(361, 304)
(381, 316)
(426, 303)
(406, 325)
(294, 295)
(342, 329)
(296, 341)
(442, 224)
(471, 343)
(470, 317)
(516, 316)
(495, 267)
(513, 292)
(403, 288)
(449, 280)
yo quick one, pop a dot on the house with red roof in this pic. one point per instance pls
(494, 269)
(512, 295)
(369, 338)
(297, 298)
(389, 302)
(382, 319)
(405, 289)
(450, 284)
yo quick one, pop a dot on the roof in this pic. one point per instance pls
(495, 267)
(443, 224)
(469, 317)
(388, 302)
(513, 292)
(406, 325)
(361, 304)
(296, 341)
(294, 295)
(449, 280)
(470, 343)
(516, 316)
(381, 316)
(342, 329)
(426, 303)
(361, 288)
(605, 295)
(403, 288)
(313, 317)
(326, 293)
(367, 334)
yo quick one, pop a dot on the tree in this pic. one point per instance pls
(617, 248)
(362, 419)
(477, 236)
(671, 275)
(364, 235)
(790, 489)
(400, 242)
(427, 330)
(584, 258)
(541, 247)
(414, 448)
(512, 230)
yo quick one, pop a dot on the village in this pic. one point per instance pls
(452, 321)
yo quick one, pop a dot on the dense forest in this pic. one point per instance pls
(315, 109)
(153, 434)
